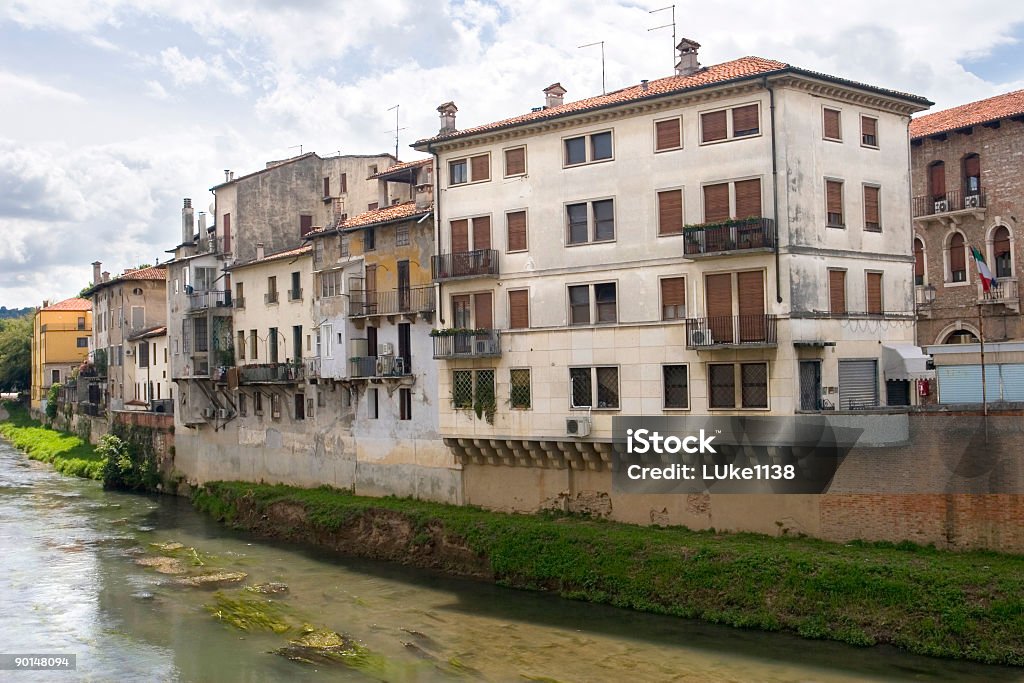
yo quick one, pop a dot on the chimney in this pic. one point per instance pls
(687, 63)
(553, 95)
(259, 251)
(227, 175)
(46, 303)
(187, 222)
(96, 272)
(447, 111)
(202, 222)
(106, 276)
(643, 84)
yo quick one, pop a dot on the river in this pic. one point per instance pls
(70, 584)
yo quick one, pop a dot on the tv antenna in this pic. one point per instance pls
(673, 25)
(396, 108)
(604, 91)
(298, 147)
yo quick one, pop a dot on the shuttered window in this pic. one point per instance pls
(834, 203)
(718, 302)
(305, 224)
(482, 232)
(918, 262)
(518, 309)
(516, 225)
(832, 125)
(752, 324)
(972, 165)
(716, 203)
(937, 180)
(515, 161)
(713, 126)
(670, 212)
(748, 198)
(460, 236)
(745, 121)
(872, 221)
(874, 293)
(483, 317)
(673, 298)
(837, 292)
(1002, 252)
(480, 168)
(668, 135)
(957, 258)
(868, 131)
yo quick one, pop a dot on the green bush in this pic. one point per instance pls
(51, 400)
(127, 467)
(68, 454)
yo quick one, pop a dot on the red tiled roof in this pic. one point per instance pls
(737, 69)
(154, 273)
(400, 167)
(971, 114)
(388, 214)
(73, 304)
(287, 253)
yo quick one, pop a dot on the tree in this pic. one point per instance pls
(16, 353)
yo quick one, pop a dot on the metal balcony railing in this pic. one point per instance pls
(393, 301)
(378, 366)
(267, 373)
(954, 200)
(311, 366)
(162, 405)
(270, 298)
(468, 345)
(731, 331)
(729, 237)
(295, 294)
(218, 298)
(478, 263)
(64, 327)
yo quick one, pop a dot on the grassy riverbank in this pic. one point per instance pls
(68, 453)
(926, 601)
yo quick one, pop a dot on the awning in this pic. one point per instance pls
(905, 361)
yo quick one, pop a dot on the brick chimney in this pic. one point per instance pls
(106, 276)
(447, 111)
(96, 275)
(187, 222)
(202, 222)
(553, 95)
(259, 251)
(687, 63)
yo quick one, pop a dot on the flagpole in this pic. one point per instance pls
(981, 340)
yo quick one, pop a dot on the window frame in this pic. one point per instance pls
(824, 134)
(529, 389)
(508, 301)
(682, 210)
(864, 208)
(737, 385)
(504, 160)
(664, 387)
(730, 135)
(592, 304)
(881, 292)
(846, 292)
(468, 161)
(654, 128)
(594, 387)
(864, 144)
(588, 148)
(526, 214)
(473, 383)
(661, 298)
(591, 222)
(841, 225)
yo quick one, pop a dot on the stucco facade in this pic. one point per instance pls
(61, 341)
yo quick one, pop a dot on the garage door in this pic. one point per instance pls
(962, 383)
(858, 384)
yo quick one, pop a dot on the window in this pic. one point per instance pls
(472, 170)
(738, 199)
(727, 124)
(272, 289)
(519, 388)
(677, 394)
(305, 224)
(587, 149)
(330, 284)
(295, 293)
(515, 226)
(372, 404)
(253, 339)
(275, 406)
(937, 182)
(972, 174)
(834, 203)
(471, 388)
(753, 385)
(325, 341)
(81, 323)
(919, 268)
(257, 403)
(404, 403)
(82, 342)
(518, 309)
(515, 161)
(327, 187)
(1003, 255)
(604, 297)
(344, 183)
(204, 278)
(243, 405)
(832, 125)
(673, 298)
(239, 295)
(957, 258)
(872, 221)
(473, 311)
(369, 239)
(670, 212)
(402, 235)
(668, 134)
(754, 377)
(868, 131)
(372, 206)
(240, 345)
(837, 292)
(343, 245)
(300, 406)
(596, 387)
(873, 292)
(591, 221)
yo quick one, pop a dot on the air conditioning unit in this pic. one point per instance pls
(386, 349)
(222, 413)
(941, 206)
(577, 426)
(972, 201)
(481, 346)
(209, 413)
(382, 366)
(128, 352)
(701, 338)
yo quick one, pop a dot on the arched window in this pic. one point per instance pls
(961, 337)
(919, 271)
(957, 258)
(937, 180)
(972, 174)
(1003, 258)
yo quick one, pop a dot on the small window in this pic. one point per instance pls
(515, 224)
(604, 298)
(372, 405)
(327, 187)
(243, 405)
(372, 170)
(462, 389)
(673, 298)
(722, 381)
(872, 220)
(257, 403)
(588, 148)
(605, 308)
(754, 378)
(240, 345)
(714, 126)
(515, 161)
(596, 387)
(300, 406)
(745, 121)
(579, 305)
(677, 394)
(832, 124)
(402, 235)
(275, 406)
(404, 403)
(343, 245)
(727, 124)
(82, 342)
(668, 134)
(834, 203)
(868, 131)
(670, 212)
(873, 287)
(471, 170)
(837, 292)
(369, 239)
(591, 221)
(519, 388)
(957, 258)
(919, 268)
(305, 224)
(519, 309)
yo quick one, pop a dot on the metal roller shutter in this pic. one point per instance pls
(858, 384)
(716, 203)
(962, 383)
(1012, 376)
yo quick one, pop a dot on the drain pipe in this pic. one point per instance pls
(437, 224)
(775, 191)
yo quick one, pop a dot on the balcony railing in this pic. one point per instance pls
(1005, 292)
(730, 331)
(378, 366)
(162, 405)
(311, 367)
(750, 234)
(64, 327)
(478, 263)
(392, 301)
(198, 301)
(468, 345)
(954, 200)
(295, 294)
(240, 302)
(270, 298)
(270, 373)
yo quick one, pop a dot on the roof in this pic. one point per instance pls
(159, 331)
(398, 168)
(740, 69)
(286, 254)
(971, 114)
(73, 304)
(389, 214)
(272, 165)
(151, 273)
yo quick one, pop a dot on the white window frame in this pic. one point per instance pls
(591, 303)
(588, 148)
(591, 222)
(470, 180)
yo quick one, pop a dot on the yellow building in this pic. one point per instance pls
(61, 337)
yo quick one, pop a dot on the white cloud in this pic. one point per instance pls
(157, 91)
(18, 87)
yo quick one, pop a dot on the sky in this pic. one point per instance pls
(112, 111)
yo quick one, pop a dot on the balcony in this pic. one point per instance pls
(730, 332)
(468, 264)
(271, 373)
(201, 301)
(750, 235)
(366, 367)
(270, 298)
(409, 302)
(311, 367)
(295, 294)
(1005, 293)
(468, 344)
(951, 206)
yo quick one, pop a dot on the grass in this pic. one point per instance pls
(967, 605)
(68, 454)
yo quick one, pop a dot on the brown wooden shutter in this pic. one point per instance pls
(748, 198)
(344, 183)
(871, 208)
(937, 180)
(713, 126)
(327, 186)
(718, 302)
(874, 293)
(482, 311)
(957, 258)
(834, 198)
(868, 127)
(918, 259)
(673, 291)
(750, 287)
(482, 232)
(479, 168)
(972, 166)
(460, 310)
(371, 279)
(305, 224)
(833, 129)
(716, 203)
(519, 309)
(460, 236)
(1001, 241)
(515, 161)
(670, 212)
(744, 119)
(837, 291)
(667, 135)
(516, 230)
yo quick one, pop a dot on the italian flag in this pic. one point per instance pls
(987, 278)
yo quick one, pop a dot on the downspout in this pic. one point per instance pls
(437, 225)
(775, 192)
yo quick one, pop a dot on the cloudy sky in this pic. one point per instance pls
(113, 110)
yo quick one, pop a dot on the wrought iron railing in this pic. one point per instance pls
(392, 301)
(477, 263)
(954, 200)
(378, 366)
(271, 372)
(468, 345)
(731, 330)
(730, 236)
(214, 298)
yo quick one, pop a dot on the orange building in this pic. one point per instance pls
(61, 337)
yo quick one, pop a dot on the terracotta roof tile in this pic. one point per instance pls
(971, 114)
(154, 273)
(73, 304)
(287, 253)
(388, 214)
(400, 167)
